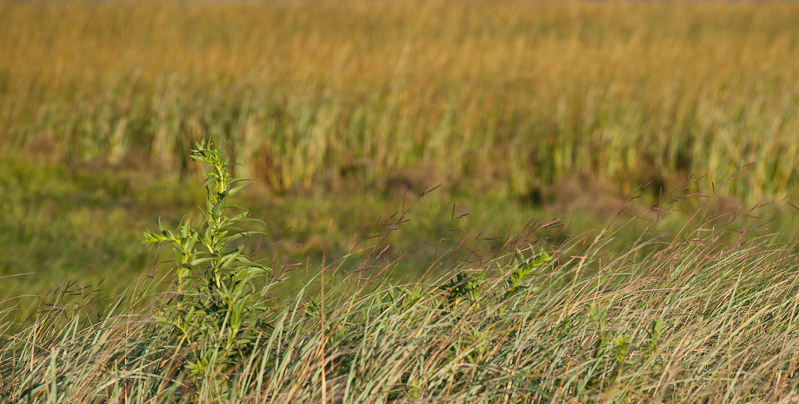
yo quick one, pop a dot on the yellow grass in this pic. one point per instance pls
(503, 96)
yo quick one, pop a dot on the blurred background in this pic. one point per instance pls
(507, 116)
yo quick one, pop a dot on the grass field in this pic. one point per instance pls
(462, 201)
(317, 95)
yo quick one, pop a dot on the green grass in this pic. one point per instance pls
(82, 224)
(85, 222)
(706, 313)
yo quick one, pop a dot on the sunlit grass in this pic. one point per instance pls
(704, 315)
(310, 95)
(579, 201)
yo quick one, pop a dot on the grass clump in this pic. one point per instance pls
(706, 315)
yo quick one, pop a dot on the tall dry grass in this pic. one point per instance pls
(704, 316)
(501, 96)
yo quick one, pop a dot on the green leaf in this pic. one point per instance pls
(199, 261)
(238, 188)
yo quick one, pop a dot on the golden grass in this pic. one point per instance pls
(502, 96)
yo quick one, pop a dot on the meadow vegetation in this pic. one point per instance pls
(331, 93)
(704, 315)
(461, 201)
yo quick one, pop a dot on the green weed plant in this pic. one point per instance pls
(215, 306)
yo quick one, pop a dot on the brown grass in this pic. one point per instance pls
(509, 94)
